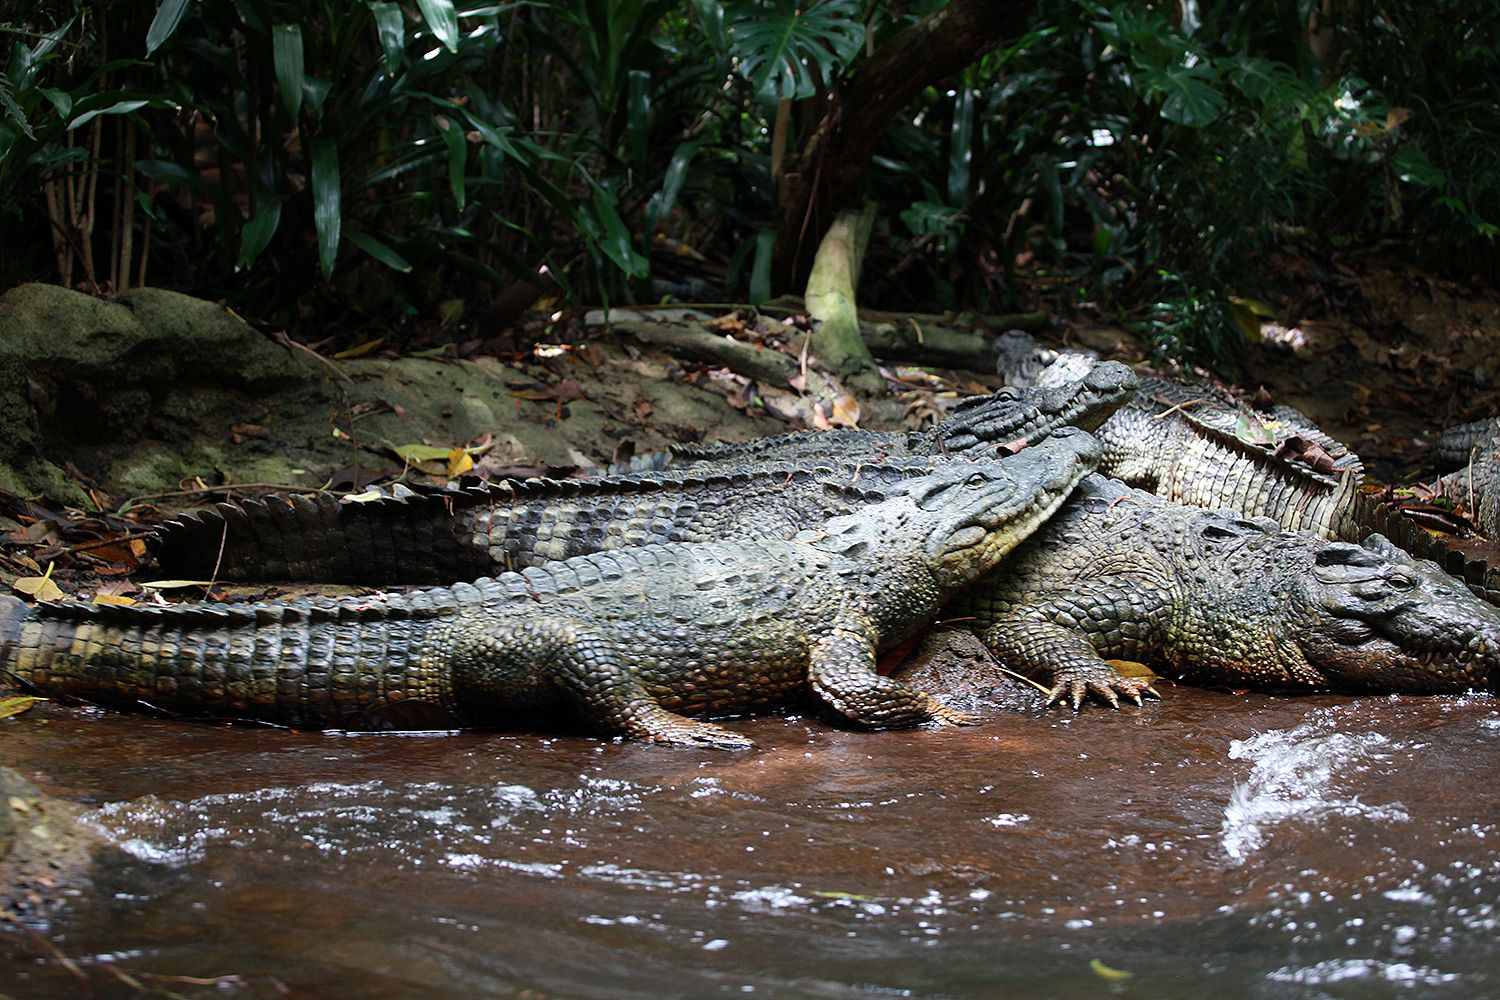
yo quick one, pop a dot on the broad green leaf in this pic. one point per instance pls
(961, 147)
(760, 270)
(443, 20)
(257, 233)
(614, 238)
(390, 26)
(458, 153)
(1413, 166)
(711, 13)
(61, 100)
(118, 108)
(286, 47)
(167, 172)
(786, 51)
(314, 93)
(168, 16)
(638, 114)
(380, 252)
(327, 202)
(1191, 97)
(660, 205)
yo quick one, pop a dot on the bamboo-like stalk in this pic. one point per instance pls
(125, 238)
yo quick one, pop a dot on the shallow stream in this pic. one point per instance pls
(1250, 845)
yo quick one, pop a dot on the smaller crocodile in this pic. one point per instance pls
(429, 535)
(1215, 599)
(1474, 450)
(978, 427)
(628, 641)
(1196, 445)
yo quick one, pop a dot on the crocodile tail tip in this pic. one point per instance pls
(13, 611)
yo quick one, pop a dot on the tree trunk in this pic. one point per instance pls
(823, 177)
(831, 301)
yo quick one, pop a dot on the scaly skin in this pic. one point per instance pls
(1474, 448)
(438, 536)
(1214, 599)
(981, 426)
(626, 640)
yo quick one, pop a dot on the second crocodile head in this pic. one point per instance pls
(1011, 418)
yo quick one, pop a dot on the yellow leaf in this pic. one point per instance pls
(459, 462)
(174, 584)
(368, 496)
(40, 587)
(450, 311)
(118, 599)
(15, 706)
(415, 453)
(361, 350)
(1105, 972)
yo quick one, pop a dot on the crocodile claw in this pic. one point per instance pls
(945, 716)
(1106, 685)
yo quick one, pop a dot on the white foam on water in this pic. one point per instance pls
(1339, 970)
(1297, 775)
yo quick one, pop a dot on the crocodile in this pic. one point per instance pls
(1212, 598)
(1474, 450)
(979, 426)
(437, 535)
(630, 642)
(430, 535)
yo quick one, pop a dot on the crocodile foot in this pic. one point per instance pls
(944, 716)
(671, 729)
(1101, 681)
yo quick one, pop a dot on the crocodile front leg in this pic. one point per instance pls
(1061, 642)
(842, 673)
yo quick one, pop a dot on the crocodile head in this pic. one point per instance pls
(969, 516)
(1011, 417)
(1374, 618)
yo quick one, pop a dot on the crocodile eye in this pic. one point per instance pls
(977, 479)
(1401, 581)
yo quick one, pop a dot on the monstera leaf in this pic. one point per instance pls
(786, 49)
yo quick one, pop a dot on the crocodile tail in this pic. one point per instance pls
(305, 662)
(13, 612)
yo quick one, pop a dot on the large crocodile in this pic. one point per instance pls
(430, 535)
(1216, 599)
(627, 640)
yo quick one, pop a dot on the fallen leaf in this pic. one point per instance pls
(642, 407)
(17, 705)
(459, 462)
(1105, 972)
(116, 599)
(173, 584)
(40, 587)
(844, 411)
(360, 351)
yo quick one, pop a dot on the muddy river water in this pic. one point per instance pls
(1249, 845)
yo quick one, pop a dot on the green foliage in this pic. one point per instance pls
(308, 159)
(787, 50)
